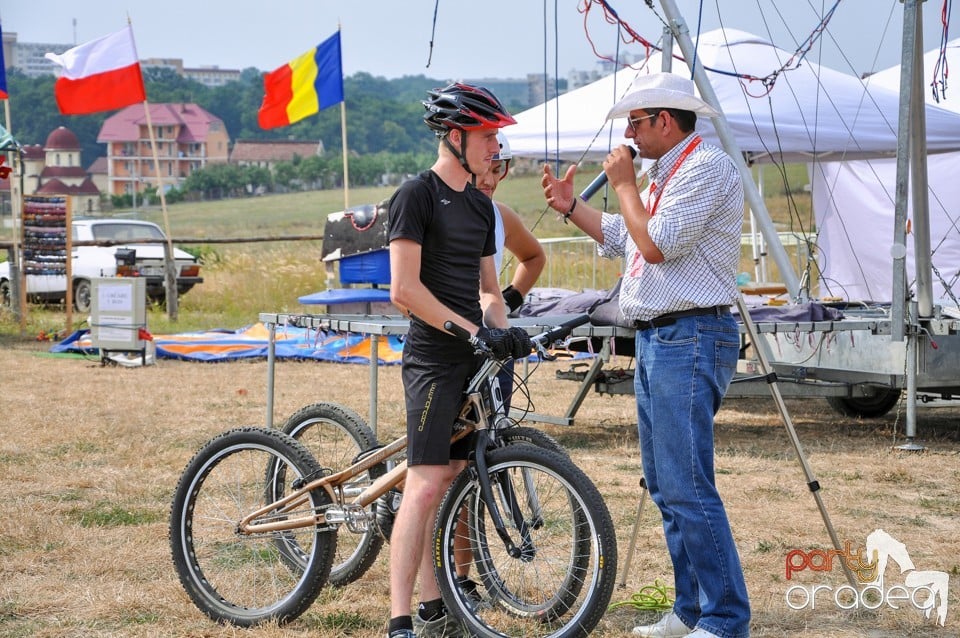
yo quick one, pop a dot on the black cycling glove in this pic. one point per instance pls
(512, 297)
(498, 340)
(521, 343)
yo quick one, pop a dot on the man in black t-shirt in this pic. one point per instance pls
(442, 244)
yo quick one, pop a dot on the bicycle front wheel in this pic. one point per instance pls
(248, 579)
(560, 581)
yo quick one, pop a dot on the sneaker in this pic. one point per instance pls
(701, 633)
(670, 626)
(445, 626)
(387, 507)
(402, 633)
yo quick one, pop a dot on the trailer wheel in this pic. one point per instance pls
(868, 407)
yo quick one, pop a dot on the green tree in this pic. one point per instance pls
(284, 174)
(384, 120)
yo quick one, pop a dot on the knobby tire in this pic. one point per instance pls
(241, 579)
(561, 584)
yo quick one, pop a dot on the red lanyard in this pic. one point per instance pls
(653, 187)
(636, 265)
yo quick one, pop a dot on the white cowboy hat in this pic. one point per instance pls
(661, 91)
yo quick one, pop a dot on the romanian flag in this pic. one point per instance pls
(303, 86)
(3, 72)
(101, 75)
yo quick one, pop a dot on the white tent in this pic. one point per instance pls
(812, 112)
(854, 205)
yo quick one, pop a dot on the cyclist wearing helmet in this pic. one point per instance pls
(442, 243)
(517, 238)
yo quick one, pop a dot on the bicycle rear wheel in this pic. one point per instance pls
(560, 584)
(245, 579)
(336, 436)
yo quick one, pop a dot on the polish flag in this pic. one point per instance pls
(101, 75)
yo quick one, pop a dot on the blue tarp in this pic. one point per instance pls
(252, 341)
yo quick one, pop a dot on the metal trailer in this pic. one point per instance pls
(852, 362)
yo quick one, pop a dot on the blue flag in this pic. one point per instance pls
(3, 71)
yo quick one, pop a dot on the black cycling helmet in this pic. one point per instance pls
(465, 107)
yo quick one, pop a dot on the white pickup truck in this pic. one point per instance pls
(141, 260)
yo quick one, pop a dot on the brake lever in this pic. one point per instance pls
(544, 354)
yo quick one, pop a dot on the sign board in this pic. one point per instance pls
(117, 312)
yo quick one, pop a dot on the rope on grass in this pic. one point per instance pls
(650, 598)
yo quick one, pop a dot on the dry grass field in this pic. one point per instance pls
(90, 456)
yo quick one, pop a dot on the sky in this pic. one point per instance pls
(391, 38)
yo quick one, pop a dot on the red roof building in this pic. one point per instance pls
(266, 153)
(187, 136)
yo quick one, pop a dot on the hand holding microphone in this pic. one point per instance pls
(601, 179)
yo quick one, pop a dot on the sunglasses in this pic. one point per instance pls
(634, 122)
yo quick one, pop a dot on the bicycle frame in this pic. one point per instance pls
(475, 401)
(482, 398)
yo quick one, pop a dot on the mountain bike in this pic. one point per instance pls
(339, 436)
(255, 520)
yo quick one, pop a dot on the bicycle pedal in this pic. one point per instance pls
(356, 518)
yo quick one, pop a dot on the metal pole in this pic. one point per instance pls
(666, 52)
(905, 114)
(636, 533)
(762, 247)
(913, 340)
(682, 34)
(918, 178)
(923, 260)
(812, 483)
(271, 362)
(374, 365)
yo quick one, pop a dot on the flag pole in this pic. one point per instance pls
(343, 134)
(169, 265)
(346, 166)
(19, 283)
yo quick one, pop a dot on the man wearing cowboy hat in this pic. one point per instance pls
(679, 233)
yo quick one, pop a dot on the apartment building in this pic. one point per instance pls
(188, 138)
(208, 75)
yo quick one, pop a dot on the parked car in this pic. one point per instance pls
(132, 260)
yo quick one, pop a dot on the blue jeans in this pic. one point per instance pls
(682, 373)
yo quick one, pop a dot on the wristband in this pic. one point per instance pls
(512, 297)
(567, 214)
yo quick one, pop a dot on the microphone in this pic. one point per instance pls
(600, 180)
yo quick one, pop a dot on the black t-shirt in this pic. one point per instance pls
(454, 229)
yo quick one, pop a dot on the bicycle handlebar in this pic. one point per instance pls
(561, 331)
(540, 341)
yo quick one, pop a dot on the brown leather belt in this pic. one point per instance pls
(670, 318)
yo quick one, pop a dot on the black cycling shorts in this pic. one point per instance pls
(434, 395)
